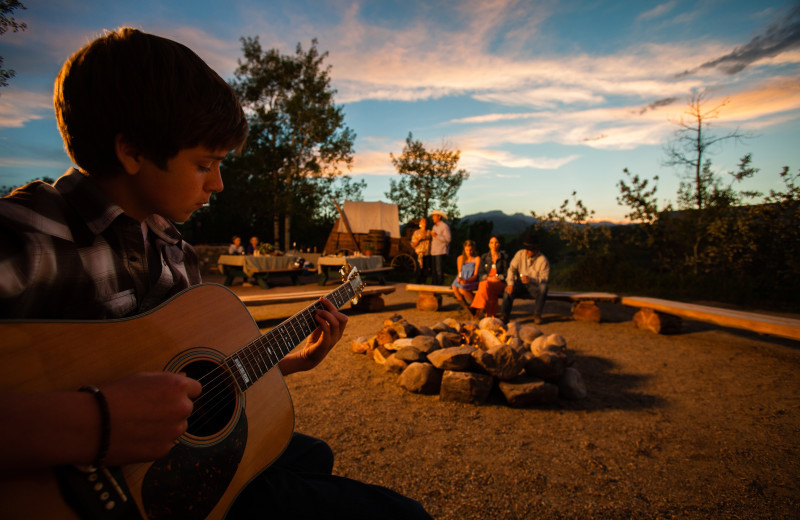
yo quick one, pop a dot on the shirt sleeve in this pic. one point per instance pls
(513, 269)
(446, 234)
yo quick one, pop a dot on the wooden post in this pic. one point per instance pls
(347, 225)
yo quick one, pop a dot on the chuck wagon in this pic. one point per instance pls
(371, 228)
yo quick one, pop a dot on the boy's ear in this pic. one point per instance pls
(128, 155)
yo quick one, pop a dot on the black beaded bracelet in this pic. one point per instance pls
(105, 424)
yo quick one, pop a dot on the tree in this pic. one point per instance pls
(428, 180)
(7, 22)
(693, 142)
(573, 226)
(298, 141)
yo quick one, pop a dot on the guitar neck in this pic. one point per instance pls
(252, 361)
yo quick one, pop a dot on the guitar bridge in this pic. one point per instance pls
(96, 493)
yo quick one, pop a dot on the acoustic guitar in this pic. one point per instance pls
(240, 424)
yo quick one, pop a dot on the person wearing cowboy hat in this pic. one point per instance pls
(527, 277)
(440, 245)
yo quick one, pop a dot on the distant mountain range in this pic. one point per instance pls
(512, 224)
(503, 224)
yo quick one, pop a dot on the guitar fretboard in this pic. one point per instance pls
(251, 362)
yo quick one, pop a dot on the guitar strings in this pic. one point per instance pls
(213, 398)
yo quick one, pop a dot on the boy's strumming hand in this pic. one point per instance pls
(149, 411)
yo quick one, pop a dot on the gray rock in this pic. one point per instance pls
(410, 355)
(426, 331)
(443, 327)
(526, 391)
(448, 339)
(502, 362)
(399, 343)
(512, 329)
(528, 333)
(452, 358)
(421, 378)
(493, 324)
(453, 324)
(395, 365)
(465, 387)
(426, 344)
(487, 339)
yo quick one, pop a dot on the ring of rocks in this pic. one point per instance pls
(465, 361)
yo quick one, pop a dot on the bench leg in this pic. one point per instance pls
(586, 310)
(658, 322)
(262, 280)
(428, 301)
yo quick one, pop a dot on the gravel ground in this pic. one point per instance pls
(702, 424)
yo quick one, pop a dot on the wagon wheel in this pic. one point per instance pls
(404, 263)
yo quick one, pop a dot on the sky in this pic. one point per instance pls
(542, 98)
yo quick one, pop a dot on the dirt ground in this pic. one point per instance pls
(702, 424)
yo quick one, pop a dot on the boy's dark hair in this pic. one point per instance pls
(157, 93)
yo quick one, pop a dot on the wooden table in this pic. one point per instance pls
(258, 267)
(364, 264)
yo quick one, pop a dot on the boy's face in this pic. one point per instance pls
(184, 187)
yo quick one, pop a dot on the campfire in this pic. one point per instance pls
(465, 361)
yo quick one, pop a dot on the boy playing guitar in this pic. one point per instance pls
(147, 124)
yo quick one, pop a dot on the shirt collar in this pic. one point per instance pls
(98, 211)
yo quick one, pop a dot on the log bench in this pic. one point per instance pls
(584, 306)
(664, 317)
(371, 297)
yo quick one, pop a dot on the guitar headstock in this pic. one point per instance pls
(350, 274)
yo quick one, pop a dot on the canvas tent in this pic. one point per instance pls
(364, 217)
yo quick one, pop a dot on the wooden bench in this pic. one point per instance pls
(664, 317)
(371, 297)
(584, 303)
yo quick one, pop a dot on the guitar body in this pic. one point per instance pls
(192, 333)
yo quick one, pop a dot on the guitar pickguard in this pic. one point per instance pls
(190, 480)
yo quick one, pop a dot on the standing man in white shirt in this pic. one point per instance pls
(527, 277)
(440, 245)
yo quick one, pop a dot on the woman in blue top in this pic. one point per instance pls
(467, 280)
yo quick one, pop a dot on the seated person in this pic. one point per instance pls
(236, 247)
(527, 278)
(252, 246)
(467, 280)
(492, 270)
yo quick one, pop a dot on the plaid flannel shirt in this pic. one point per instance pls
(67, 252)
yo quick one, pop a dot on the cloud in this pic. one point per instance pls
(657, 12)
(17, 107)
(658, 104)
(779, 37)
(488, 159)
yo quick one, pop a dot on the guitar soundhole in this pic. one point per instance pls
(216, 405)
